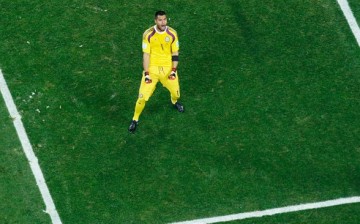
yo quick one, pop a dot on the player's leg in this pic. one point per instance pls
(145, 92)
(174, 88)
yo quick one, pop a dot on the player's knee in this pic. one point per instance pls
(144, 97)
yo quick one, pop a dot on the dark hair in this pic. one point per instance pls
(159, 13)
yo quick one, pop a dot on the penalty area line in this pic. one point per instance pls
(29, 152)
(274, 211)
(344, 5)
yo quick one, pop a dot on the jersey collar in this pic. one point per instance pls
(160, 32)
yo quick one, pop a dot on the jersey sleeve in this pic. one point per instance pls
(145, 44)
(175, 45)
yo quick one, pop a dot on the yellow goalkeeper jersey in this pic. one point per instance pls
(160, 45)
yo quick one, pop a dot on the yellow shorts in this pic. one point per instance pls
(159, 73)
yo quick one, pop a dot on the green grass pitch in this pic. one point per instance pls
(270, 88)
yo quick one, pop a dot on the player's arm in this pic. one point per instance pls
(146, 62)
(146, 55)
(175, 62)
(175, 59)
(174, 55)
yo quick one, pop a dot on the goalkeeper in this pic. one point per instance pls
(160, 48)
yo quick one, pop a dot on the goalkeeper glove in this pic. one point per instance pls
(147, 77)
(172, 75)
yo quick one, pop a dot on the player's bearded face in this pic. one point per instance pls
(161, 22)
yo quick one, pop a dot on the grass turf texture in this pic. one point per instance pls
(270, 90)
(21, 201)
(334, 215)
(355, 8)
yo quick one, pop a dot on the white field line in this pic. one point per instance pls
(274, 211)
(30, 155)
(344, 5)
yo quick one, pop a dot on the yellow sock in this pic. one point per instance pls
(139, 107)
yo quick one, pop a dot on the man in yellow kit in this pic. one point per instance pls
(160, 59)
